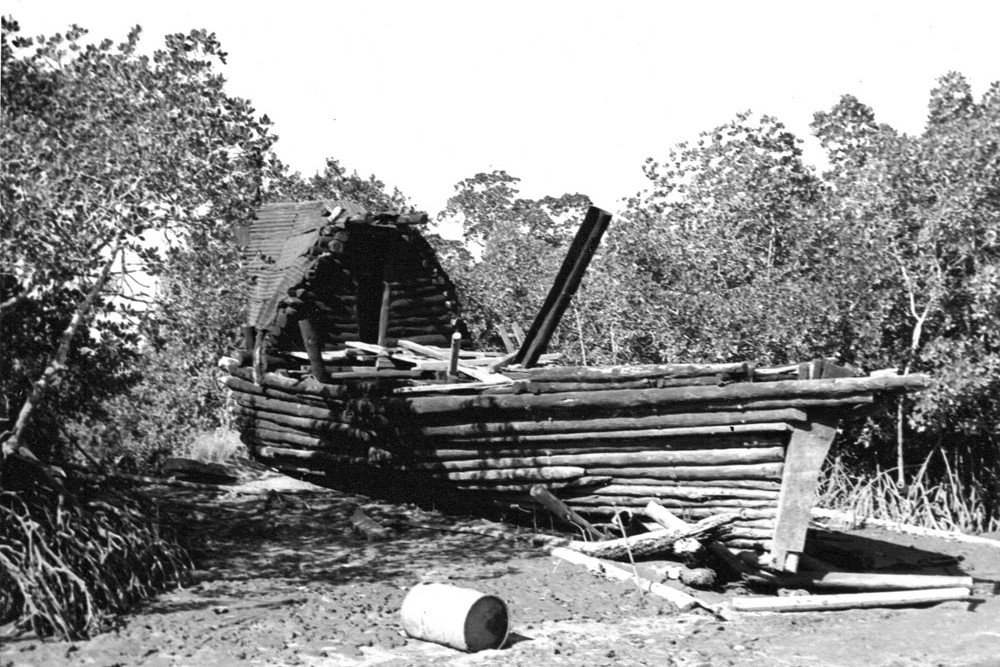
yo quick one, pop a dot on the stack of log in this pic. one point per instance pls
(692, 437)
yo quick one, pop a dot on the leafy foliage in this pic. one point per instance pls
(110, 157)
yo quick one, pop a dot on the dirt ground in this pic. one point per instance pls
(284, 580)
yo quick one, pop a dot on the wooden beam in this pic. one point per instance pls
(807, 448)
(314, 348)
(849, 600)
(565, 285)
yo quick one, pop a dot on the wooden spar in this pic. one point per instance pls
(639, 399)
(807, 449)
(471, 453)
(605, 374)
(864, 581)
(755, 471)
(329, 413)
(456, 348)
(522, 474)
(599, 498)
(580, 482)
(704, 457)
(685, 492)
(717, 483)
(559, 509)
(693, 512)
(320, 426)
(564, 287)
(753, 435)
(653, 542)
(479, 430)
(310, 339)
(681, 600)
(383, 314)
(532, 387)
(849, 600)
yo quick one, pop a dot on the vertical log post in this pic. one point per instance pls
(565, 285)
(807, 448)
(383, 315)
(310, 340)
(456, 349)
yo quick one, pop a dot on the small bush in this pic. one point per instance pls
(216, 446)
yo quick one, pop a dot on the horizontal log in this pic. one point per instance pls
(849, 600)
(319, 426)
(617, 373)
(639, 399)
(598, 498)
(653, 542)
(875, 581)
(522, 474)
(364, 383)
(285, 438)
(705, 457)
(766, 435)
(687, 513)
(331, 413)
(582, 482)
(757, 471)
(685, 492)
(679, 599)
(532, 387)
(763, 485)
(682, 420)
(476, 450)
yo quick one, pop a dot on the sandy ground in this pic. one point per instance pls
(285, 580)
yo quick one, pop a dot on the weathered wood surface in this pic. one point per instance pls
(645, 399)
(653, 542)
(567, 280)
(807, 450)
(681, 600)
(741, 420)
(865, 581)
(749, 471)
(849, 600)
(705, 457)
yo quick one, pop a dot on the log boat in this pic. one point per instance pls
(355, 373)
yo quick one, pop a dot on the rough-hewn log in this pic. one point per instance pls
(314, 348)
(320, 426)
(687, 513)
(681, 600)
(620, 373)
(566, 282)
(598, 497)
(849, 600)
(807, 449)
(288, 407)
(267, 451)
(874, 581)
(532, 387)
(522, 474)
(752, 435)
(652, 398)
(631, 424)
(764, 485)
(697, 493)
(581, 482)
(756, 471)
(704, 457)
(653, 542)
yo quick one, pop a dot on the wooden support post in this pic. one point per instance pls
(383, 315)
(807, 448)
(310, 339)
(456, 349)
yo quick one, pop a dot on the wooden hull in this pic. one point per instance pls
(700, 440)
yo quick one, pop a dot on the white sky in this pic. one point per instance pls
(568, 96)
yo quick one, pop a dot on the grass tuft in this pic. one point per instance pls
(70, 560)
(942, 502)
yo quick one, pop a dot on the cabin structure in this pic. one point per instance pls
(356, 374)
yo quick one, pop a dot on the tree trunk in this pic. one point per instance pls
(53, 373)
